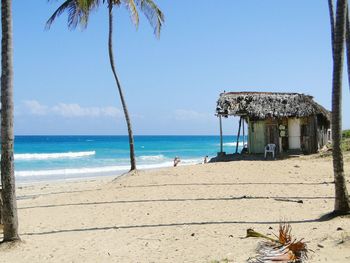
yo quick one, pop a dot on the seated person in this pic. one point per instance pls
(176, 161)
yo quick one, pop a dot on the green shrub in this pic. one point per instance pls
(346, 134)
(345, 145)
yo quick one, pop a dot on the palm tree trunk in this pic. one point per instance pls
(347, 36)
(347, 41)
(10, 219)
(331, 16)
(342, 202)
(126, 113)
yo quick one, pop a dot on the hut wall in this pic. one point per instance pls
(311, 133)
(257, 136)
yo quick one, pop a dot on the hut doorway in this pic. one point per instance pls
(272, 135)
(294, 133)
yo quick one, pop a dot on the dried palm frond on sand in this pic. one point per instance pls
(283, 249)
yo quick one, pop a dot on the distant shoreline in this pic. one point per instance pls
(43, 158)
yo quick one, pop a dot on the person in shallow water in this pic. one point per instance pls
(176, 161)
(206, 159)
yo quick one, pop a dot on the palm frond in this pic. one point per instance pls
(283, 250)
(76, 16)
(152, 13)
(89, 5)
(134, 15)
(86, 6)
(58, 12)
(78, 12)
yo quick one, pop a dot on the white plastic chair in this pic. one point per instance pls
(270, 148)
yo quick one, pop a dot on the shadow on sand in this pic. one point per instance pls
(275, 198)
(23, 197)
(316, 220)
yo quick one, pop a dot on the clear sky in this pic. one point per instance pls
(63, 82)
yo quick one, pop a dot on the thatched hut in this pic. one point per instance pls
(292, 121)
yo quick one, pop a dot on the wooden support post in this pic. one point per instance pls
(243, 133)
(239, 133)
(248, 133)
(221, 142)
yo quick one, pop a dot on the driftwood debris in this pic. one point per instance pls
(289, 200)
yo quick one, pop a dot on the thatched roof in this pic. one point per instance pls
(262, 105)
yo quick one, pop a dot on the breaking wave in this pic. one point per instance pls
(45, 156)
(87, 170)
(100, 170)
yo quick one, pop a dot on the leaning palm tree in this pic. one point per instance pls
(78, 14)
(9, 207)
(342, 201)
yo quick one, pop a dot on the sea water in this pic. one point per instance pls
(42, 158)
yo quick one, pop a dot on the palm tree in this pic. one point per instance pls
(78, 14)
(9, 208)
(342, 201)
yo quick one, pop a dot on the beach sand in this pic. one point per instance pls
(196, 213)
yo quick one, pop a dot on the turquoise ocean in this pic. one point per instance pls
(43, 158)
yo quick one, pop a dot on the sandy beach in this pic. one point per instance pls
(196, 213)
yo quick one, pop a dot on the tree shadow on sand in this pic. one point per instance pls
(23, 197)
(297, 199)
(316, 220)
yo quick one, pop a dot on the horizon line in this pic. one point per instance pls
(121, 135)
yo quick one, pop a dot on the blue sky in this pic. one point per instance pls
(63, 82)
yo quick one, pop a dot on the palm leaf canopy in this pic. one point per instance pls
(80, 10)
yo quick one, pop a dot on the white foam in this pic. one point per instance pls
(233, 144)
(152, 157)
(191, 161)
(87, 170)
(45, 156)
(100, 170)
